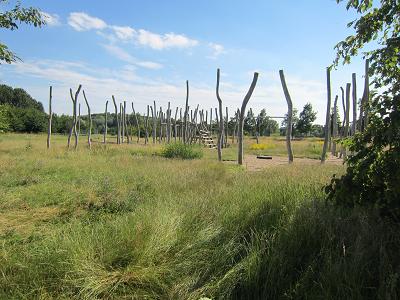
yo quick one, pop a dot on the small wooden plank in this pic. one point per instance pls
(264, 157)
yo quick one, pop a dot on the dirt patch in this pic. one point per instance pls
(252, 163)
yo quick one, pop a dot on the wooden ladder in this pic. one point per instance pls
(207, 140)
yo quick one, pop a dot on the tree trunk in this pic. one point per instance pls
(241, 117)
(50, 119)
(328, 115)
(105, 125)
(90, 122)
(289, 117)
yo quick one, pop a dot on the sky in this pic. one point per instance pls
(141, 51)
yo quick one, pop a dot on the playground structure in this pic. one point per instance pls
(196, 126)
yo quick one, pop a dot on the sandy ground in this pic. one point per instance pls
(252, 163)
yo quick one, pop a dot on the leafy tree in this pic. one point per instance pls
(306, 118)
(4, 120)
(373, 173)
(10, 19)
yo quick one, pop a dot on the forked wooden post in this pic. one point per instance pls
(241, 117)
(50, 119)
(126, 124)
(90, 121)
(74, 129)
(221, 119)
(328, 115)
(105, 125)
(289, 116)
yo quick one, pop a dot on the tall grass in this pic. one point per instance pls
(111, 224)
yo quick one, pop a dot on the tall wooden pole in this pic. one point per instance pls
(289, 116)
(241, 117)
(185, 117)
(354, 94)
(50, 119)
(105, 125)
(117, 119)
(221, 119)
(90, 122)
(328, 115)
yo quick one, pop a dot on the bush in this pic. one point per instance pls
(182, 151)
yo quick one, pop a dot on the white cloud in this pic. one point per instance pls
(121, 54)
(81, 21)
(159, 42)
(217, 50)
(124, 32)
(51, 19)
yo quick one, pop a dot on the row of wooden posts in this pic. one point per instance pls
(191, 122)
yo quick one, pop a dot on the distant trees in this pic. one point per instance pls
(305, 121)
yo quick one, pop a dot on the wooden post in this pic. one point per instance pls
(169, 123)
(241, 117)
(160, 115)
(335, 126)
(154, 117)
(146, 127)
(289, 117)
(221, 119)
(79, 119)
(365, 98)
(226, 127)
(126, 123)
(137, 123)
(105, 125)
(185, 117)
(121, 124)
(354, 125)
(328, 115)
(117, 119)
(90, 121)
(75, 101)
(211, 131)
(181, 125)
(50, 119)
(175, 124)
(346, 128)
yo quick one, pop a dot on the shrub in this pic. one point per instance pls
(262, 146)
(182, 151)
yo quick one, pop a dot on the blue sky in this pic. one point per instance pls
(142, 51)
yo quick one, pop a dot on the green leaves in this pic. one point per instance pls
(10, 19)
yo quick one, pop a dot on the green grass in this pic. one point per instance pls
(121, 222)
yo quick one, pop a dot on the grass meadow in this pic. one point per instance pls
(122, 222)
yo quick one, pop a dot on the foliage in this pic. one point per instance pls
(182, 151)
(9, 19)
(373, 170)
(4, 120)
(306, 118)
(295, 119)
(72, 227)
